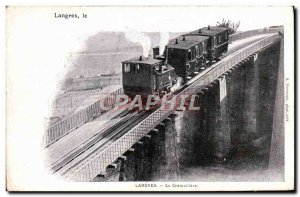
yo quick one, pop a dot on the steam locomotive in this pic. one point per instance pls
(182, 58)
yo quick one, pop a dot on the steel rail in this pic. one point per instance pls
(104, 132)
(112, 136)
(101, 159)
(63, 127)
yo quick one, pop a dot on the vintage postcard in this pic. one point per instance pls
(150, 98)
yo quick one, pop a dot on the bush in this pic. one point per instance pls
(231, 25)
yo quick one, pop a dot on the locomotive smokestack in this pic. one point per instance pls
(164, 40)
(183, 38)
(176, 41)
(166, 55)
(141, 58)
(208, 27)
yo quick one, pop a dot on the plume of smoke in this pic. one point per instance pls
(141, 38)
(164, 39)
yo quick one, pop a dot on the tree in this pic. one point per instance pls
(231, 25)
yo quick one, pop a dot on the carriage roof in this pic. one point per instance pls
(145, 60)
(189, 41)
(214, 30)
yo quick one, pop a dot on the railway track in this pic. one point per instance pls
(94, 139)
(110, 134)
(118, 127)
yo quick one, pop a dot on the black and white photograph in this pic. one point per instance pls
(150, 98)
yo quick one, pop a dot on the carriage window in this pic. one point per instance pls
(219, 38)
(215, 40)
(145, 69)
(193, 53)
(126, 68)
(203, 47)
(226, 35)
(189, 55)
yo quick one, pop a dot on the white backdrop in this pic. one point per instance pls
(38, 46)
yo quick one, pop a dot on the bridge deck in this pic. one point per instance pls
(243, 42)
(80, 135)
(71, 141)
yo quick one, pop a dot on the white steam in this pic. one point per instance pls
(164, 39)
(141, 38)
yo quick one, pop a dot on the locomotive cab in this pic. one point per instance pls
(147, 76)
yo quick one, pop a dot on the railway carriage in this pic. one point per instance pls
(218, 40)
(187, 54)
(147, 76)
(182, 58)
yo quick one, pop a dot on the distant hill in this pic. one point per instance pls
(105, 51)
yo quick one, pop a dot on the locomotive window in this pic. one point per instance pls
(197, 50)
(136, 68)
(189, 55)
(126, 68)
